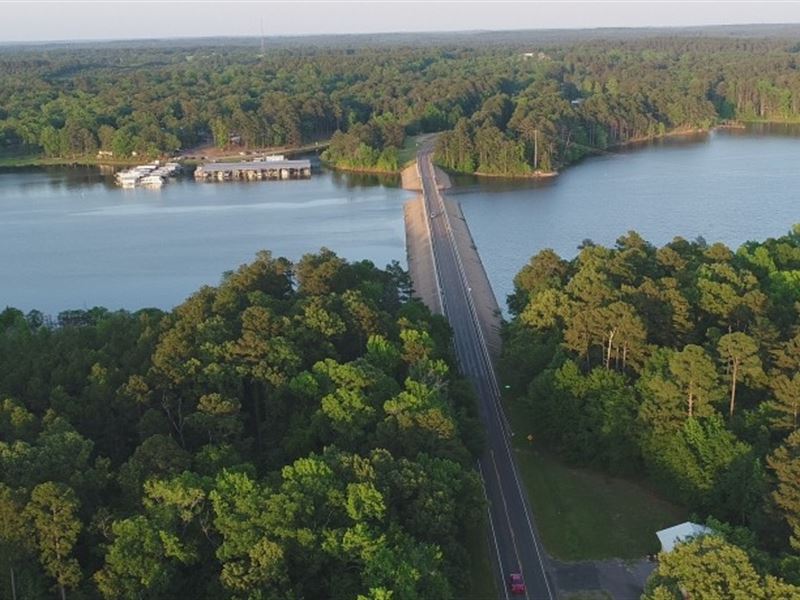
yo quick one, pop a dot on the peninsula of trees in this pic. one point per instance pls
(514, 105)
(681, 362)
(296, 432)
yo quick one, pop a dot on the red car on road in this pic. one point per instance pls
(516, 584)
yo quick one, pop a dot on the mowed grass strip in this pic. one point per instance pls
(480, 583)
(9, 159)
(12, 160)
(583, 514)
(408, 153)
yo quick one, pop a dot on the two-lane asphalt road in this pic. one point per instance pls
(514, 543)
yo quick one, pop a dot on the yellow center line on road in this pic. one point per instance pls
(474, 353)
(508, 518)
(494, 533)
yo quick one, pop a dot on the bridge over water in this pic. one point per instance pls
(455, 285)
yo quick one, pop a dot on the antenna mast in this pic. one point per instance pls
(262, 36)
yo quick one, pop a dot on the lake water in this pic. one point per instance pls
(730, 186)
(70, 239)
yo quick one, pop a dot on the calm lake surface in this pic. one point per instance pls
(730, 186)
(70, 239)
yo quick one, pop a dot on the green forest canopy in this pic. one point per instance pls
(513, 106)
(136, 450)
(296, 432)
(681, 362)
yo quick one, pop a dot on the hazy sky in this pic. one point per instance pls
(33, 20)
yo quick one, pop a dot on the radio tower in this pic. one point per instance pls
(262, 36)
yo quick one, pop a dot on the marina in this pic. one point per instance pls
(72, 230)
(152, 175)
(71, 240)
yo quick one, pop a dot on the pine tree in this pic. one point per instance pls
(785, 462)
(696, 374)
(786, 404)
(740, 352)
(53, 511)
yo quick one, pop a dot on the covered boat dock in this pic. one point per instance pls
(255, 170)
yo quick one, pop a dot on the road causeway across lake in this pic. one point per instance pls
(452, 282)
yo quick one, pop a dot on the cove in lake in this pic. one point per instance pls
(730, 186)
(69, 239)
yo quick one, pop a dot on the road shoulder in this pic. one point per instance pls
(482, 294)
(419, 254)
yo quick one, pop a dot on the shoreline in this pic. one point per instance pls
(661, 136)
(677, 133)
(38, 161)
(32, 161)
(190, 157)
(531, 175)
(544, 175)
(365, 170)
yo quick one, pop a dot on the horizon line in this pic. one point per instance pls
(395, 32)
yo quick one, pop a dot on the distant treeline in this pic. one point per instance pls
(681, 362)
(296, 432)
(510, 108)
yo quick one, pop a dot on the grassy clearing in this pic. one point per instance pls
(18, 160)
(37, 160)
(408, 153)
(480, 582)
(583, 514)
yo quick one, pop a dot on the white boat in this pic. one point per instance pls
(152, 181)
(150, 175)
(127, 179)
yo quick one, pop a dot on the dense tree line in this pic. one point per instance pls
(358, 148)
(509, 107)
(712, 567)
(295, 432)
(682, 362)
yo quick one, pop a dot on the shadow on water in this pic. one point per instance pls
(57, 177)
(464, 183)
(677, 141)
(65, 176)
(791, 130)
(363, 180)
(352, 179)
